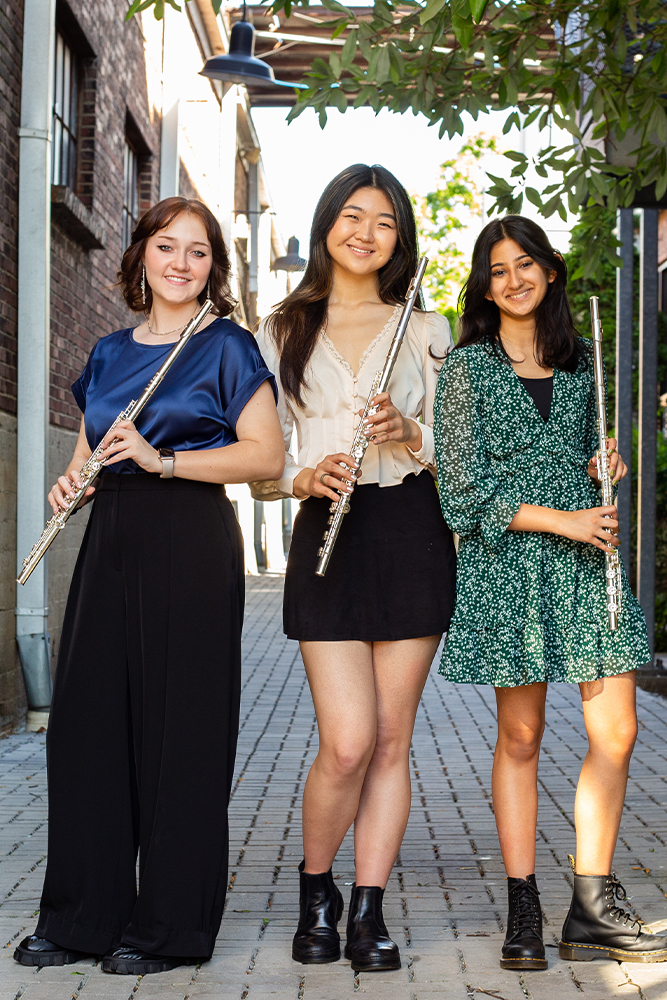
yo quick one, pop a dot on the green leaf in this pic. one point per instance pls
(512, 154)
(383, 65)
(349, 50)
(477, 9)
(431, 10)
(337, 8)
(463, 30)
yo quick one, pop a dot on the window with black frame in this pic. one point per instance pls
(130, 192)
(65, 114)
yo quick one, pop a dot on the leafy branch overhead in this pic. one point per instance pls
(596, 70)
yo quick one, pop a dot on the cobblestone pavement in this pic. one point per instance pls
(445, 903)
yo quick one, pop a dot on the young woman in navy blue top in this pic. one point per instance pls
(144, 721)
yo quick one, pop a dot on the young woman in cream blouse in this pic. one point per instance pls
(369, 629)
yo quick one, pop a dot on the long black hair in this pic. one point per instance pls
(298, 319)
(557, 342)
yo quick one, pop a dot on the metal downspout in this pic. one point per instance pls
(34, 279)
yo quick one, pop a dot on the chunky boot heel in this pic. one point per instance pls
(523, 947)
(571, 953)
(597, 927)
(368, 946)
(317, 940)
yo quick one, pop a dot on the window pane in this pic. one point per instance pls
(56, 151)
(67, 79)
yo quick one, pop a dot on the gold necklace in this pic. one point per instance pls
(166, 332)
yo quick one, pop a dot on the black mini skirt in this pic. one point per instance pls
(392, 573)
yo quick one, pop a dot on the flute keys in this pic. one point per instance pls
(320, 551)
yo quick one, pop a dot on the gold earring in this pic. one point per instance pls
(143, 284)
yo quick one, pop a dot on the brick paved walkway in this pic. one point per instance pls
(446, 897)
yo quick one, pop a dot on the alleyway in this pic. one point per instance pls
(446, 898)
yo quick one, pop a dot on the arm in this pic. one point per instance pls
(277, 487)
(474, 496)
(257, 454)
(593, 526)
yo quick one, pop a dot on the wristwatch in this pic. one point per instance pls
(167, 457)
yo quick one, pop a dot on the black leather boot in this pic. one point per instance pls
(320, 908)
(127, 960)
(523, 947)
(596, 927)
(40, 952)
(368, 946)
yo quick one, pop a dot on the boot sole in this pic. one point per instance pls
(325, 959)
(377, 966)
(589, 952)
(536, 964)
(123, 967)
(46, 960)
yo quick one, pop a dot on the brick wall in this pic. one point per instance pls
(85, 305)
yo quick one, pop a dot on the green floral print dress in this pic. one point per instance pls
(529, 606)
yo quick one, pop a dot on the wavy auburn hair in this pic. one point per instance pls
(557, 342)
(298, 319)
(151, 222)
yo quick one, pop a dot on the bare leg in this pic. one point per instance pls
(400, 671)
(611, 724)
(520, 729)
(341, 681)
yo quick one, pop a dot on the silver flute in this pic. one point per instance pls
(340, 508)
(613, 577)
(92, 466)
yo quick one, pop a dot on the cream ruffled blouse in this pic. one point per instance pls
(334, 393)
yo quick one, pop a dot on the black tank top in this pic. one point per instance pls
(541, 390)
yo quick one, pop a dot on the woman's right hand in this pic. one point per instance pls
(62, 493)
(328, 479)
(597, 526)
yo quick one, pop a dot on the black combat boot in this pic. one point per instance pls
(596, 927)
(523, 947)
(40, 952)
(369, 947)
(320, 908)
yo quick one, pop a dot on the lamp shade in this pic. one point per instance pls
(240, 65)
(291, 261)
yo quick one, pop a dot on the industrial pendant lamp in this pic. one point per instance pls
(240, 65)
(291, 261)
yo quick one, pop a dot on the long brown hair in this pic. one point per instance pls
(151, 222)
(557, 342)
(298, 319)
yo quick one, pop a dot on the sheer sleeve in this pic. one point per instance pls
(437, 345)
(472, 496)
(283, 487)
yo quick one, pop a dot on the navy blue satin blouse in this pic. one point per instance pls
(197, 404)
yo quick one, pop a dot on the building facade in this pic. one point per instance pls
(99, 119)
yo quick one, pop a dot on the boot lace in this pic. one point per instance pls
(614, 891)
(527, 913)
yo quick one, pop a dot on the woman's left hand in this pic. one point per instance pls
(617, 466)
(124, 442)
(389, 424)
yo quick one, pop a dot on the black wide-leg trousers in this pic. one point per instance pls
(144, 721)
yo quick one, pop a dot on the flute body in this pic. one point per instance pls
(613, 576)
(360, 443)
(92, 466)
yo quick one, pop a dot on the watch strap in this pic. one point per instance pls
(168, 458)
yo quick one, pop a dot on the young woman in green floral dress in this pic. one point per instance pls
(515, 436)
